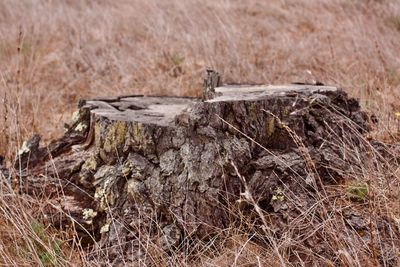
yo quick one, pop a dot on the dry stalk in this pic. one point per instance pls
(269, 233)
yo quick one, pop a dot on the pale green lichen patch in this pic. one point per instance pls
(270, 127)
(127, 169)
(80, 127)
(105, 228)
(97, 137)
(75, 116)
(137, 132)
(102, 198)
(24, 148)
(139, 137)
(99, 193)
(278, 195)
(112, 141)
(115, 136)
(90, 164)
(104, 195)
(88, 215)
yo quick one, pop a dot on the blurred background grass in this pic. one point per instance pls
(53, 53)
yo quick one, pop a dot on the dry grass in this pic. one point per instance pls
(25, 240)
(53, 53)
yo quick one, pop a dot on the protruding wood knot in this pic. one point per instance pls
(212, 81)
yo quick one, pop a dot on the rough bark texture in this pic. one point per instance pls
(165, 164)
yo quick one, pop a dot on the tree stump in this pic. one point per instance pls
(178, 167)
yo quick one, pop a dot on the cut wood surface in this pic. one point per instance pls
(172, 165)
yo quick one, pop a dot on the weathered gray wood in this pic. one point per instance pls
(170, 160)
(212, 81)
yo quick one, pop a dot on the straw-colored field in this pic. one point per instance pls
(53, 53)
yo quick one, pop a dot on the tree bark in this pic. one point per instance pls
(167, 164)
